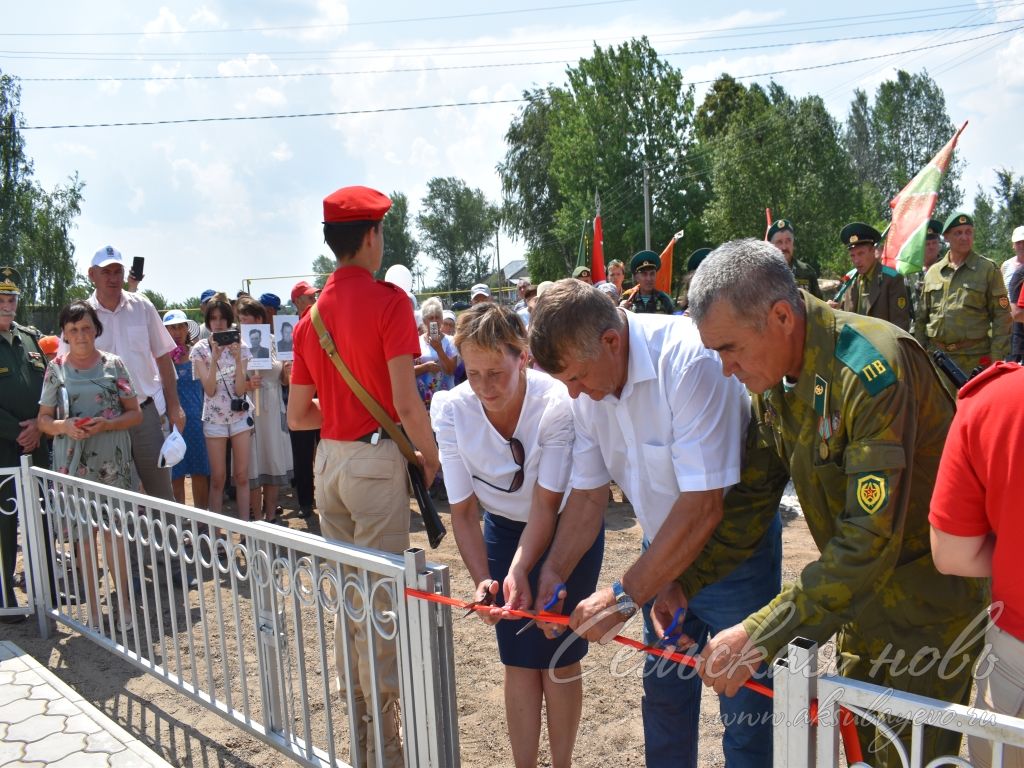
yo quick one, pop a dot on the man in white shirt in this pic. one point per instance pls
(1015, 262)
(133, 331)
(659, 418)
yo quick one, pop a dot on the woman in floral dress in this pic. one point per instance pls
(98, 405)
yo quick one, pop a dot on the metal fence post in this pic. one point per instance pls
(795, 685)
(272, 638)
(431, 656)
(37, 569)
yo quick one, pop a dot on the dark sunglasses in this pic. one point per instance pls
(519, 457)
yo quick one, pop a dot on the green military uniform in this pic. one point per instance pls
(880, 293)
(22, 365)
(657, 302)
(964, 311)
(806, 277)
(861, 433)
(915, 282)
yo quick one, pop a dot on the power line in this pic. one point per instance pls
(300, 27)
(399, 70)
(499, 101)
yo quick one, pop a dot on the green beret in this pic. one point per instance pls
(934, 229)
(696, 258)
(956, 219)
(643, 260)
(859, 233)
(580, 270)
(779, 225)
(10, 281)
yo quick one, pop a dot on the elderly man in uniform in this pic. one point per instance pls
(22, 365)
(858, 415)
(965, 311)
(652, 411)
(361, 478)
(871, 288)
(644, 297)
(780, 234)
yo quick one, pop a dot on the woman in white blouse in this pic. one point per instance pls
(505, 438)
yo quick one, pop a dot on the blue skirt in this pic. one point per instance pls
(532, 649)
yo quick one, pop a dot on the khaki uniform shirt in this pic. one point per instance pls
(964, 311)
(861, 435)
(881, 293)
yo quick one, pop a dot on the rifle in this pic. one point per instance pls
(953, 372)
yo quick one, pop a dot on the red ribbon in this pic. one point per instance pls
(847, 726)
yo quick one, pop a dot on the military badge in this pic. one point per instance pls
(872, 493)
(901, 302)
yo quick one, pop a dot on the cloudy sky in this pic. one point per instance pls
(212, 203)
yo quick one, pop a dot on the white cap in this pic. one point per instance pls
(448, 315)
(174, 317)
(172, 451)
(479, 290)
(1018, 235)
(106, 256)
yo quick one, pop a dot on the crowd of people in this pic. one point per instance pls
(522, 416)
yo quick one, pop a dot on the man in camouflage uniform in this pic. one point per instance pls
(964, 311)
(21, 380)
(645, 298)
(871, 288)
(780, 234)
(932, 246)
(858, 416)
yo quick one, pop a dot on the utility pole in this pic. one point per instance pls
(497, 256)
(647, 210)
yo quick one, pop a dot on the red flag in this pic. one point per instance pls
(768, 221)
(597, 260)
(663, 282)
(911, 210)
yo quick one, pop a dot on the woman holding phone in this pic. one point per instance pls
(98, 405)
(506, 437)
(435, 367)
(219, 362)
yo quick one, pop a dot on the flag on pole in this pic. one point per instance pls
(597, 260)
(911, 210)
(663, 282)
(768, 222)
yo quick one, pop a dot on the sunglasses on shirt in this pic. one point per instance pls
(519, 457)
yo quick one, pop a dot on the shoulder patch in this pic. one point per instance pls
(860, 356)
(889, 271)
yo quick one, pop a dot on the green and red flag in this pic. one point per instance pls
(911, 210)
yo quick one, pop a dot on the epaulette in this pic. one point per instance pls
(31, 330)
(889, 271)
(860, 356)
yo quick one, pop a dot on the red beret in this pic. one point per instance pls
(351, 204)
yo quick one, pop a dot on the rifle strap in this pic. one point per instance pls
(375, 409)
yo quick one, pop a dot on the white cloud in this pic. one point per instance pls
(269, 96)
(164, 22)
(154, 87)
(74, 148)
(1010, 72)
(281, 152)
(252, 64)
(109, 87)
(224, 199)
(204, 18)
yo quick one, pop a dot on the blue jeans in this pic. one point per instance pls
(671, 702)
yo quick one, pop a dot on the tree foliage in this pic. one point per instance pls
(785, 154)
(890, 141)
(322, 267)
(619, 111)
(400, 247)
(35, 225)
(458, 226)
(996, 215)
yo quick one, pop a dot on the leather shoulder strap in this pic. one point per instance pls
(375, 409)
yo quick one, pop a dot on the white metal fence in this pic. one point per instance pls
(253, 639)
(806, 726)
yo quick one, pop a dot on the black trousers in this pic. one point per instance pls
(304, 444)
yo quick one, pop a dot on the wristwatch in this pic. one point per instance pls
(623, 602)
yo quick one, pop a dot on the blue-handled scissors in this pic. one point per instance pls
(673, 631)
(559, 588)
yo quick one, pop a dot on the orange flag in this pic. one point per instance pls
(664, 280)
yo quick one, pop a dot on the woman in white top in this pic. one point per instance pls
(505, 438)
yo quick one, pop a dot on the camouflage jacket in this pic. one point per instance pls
(965, 309)
(861, 435)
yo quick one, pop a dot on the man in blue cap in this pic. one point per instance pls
(645, 298)
(271, 302)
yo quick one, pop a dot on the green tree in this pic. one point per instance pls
(996, 216)
(400, 247)
(457, 225)
(158, 300)
(784, 154)
(620, 111)
(905, 127)
(323, 266)
(986, 226)
(35, 225)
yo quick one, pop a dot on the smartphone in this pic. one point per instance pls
(433, 330)
(82, 421)
(137, 265)
(224, 338)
